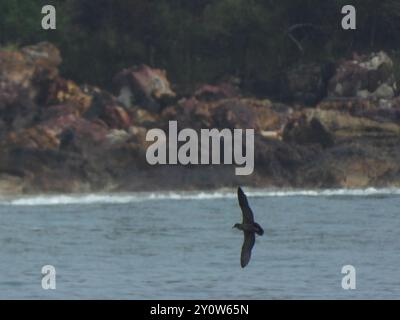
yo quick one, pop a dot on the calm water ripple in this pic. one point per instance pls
(185, 248)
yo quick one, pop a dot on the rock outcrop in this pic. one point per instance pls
(367, 76)
(57, 136)
(144, 85)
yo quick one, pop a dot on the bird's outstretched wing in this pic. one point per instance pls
(248, 217)
(248, 244)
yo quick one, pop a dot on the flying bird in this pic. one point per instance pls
(249, 228)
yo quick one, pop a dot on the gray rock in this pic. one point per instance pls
(367, 77)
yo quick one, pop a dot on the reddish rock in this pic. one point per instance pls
(365, 76)
(116, 117)
(40, 138)
(149, 87)
(92, 132)
(63, 91)
(304, 131)
(224, 90)
(28, 70)
(61, 122)
(240, 113)
(143, 118)
(59, 137)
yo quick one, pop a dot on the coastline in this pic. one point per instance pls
(60, 137)
(225, 193)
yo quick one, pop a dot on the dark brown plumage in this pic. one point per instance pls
(249, 228)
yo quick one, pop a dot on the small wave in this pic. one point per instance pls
(42, 200)
(124, 198)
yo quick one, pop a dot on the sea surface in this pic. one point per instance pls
(182, 245)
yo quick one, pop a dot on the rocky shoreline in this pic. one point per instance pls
(340, 131)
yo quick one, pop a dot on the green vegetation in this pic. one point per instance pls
(201, 40)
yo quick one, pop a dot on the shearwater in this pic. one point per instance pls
(249, 228)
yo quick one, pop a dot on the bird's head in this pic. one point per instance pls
(236, 226)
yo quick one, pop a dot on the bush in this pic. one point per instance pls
(201, 40)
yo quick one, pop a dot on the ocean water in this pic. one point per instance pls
(182, 245)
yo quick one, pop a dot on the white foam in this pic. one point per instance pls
(123, 198)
